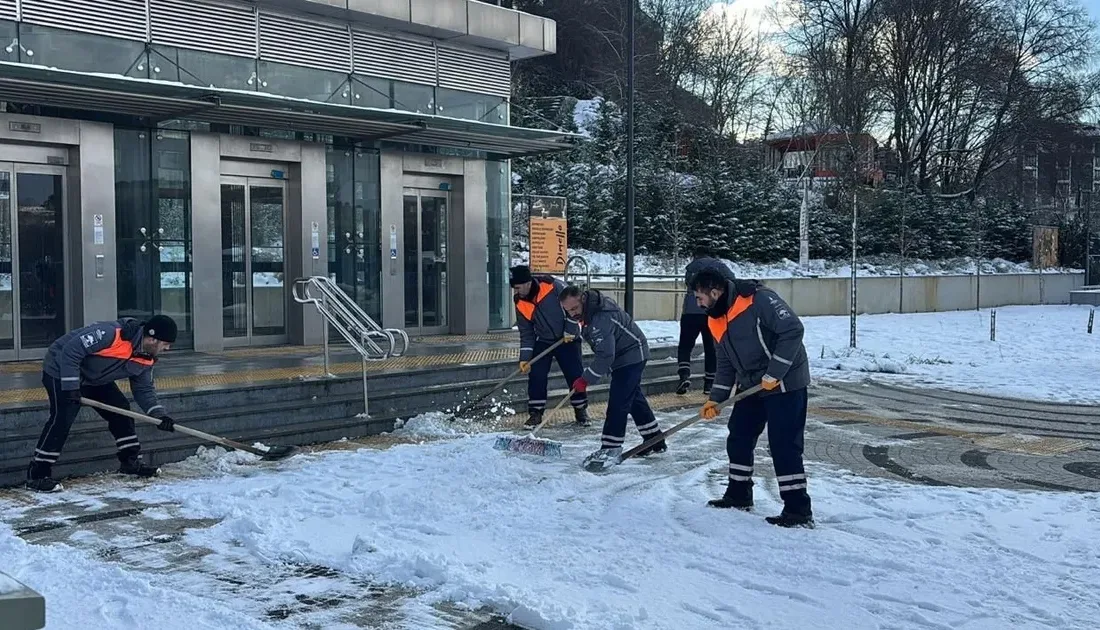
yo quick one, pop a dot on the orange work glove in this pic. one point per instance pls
(524, 367)
(709, 410)
(769, 383)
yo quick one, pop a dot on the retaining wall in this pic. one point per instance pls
(911, 294)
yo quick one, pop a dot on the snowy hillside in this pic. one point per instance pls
(660, 265)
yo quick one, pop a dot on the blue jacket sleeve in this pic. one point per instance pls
(777, 317)
(145, 393)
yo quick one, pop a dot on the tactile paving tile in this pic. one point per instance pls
(190, 381)
(21, 367)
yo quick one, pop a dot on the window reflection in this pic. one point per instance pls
(372, 92)
(354, 216)
(470, 106)
(498, 222)
(153, 225)
(412, 97)
(223, 71)
(69, 50)
(307, 83)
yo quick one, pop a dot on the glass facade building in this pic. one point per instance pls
(195, 158)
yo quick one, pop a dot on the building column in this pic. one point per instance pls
(206, 244)
(470, 252)
(96, 262)
(393, 267)
(306, 240)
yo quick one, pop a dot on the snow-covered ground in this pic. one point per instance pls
(557, 548)
(84, 592)
(603, 263)
(1042, 352)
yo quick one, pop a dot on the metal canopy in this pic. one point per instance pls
(162, 100)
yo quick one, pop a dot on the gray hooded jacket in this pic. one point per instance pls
(756, 334)
(691, 307)
(613, 336)
(104, 353)
(541, 318)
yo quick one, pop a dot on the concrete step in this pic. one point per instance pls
(23, 415)
(320, 417)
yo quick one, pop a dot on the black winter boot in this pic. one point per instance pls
(797, 512)
(708, 384)
(39, 479)
(683, 388)
(658, 447)
(737, 496)
(534, 418)
(134, 466)
(581, 415)
(791, 519)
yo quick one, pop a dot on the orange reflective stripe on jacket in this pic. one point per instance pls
(122, 349)
(527, 308)
(718, 325)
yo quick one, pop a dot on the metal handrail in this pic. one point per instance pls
(587, 270)
(348, 317)
(344, 314)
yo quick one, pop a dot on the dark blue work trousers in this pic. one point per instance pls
(569, 361)
(626, 398)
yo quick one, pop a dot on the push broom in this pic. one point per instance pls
(531, 445)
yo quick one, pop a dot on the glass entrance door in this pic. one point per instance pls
(32, 259)
(153, 226)
(254, 296)
(425, 227)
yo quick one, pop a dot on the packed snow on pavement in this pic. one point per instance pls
(554, 548)
(1040, 352)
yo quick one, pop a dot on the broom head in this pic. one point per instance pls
(528, 446)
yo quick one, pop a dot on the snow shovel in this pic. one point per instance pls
(529, 443)
(269, 453)
(674, 430)
(506, 379)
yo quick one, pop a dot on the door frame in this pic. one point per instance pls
(420, 193)
(14, 169)
(250, 339)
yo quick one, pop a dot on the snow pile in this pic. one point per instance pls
(218, 459)
(858, 360)
(434, 424)
(644, 264)
(8, 585)
(82, 592)
(574, 550)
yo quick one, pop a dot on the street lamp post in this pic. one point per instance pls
(628, 303)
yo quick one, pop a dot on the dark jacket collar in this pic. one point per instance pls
(734, 288)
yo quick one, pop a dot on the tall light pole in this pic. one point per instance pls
(628, 303)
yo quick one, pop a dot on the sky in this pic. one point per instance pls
(755, 10)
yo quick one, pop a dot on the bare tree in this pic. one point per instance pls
(1040, 50)
(729, 77)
